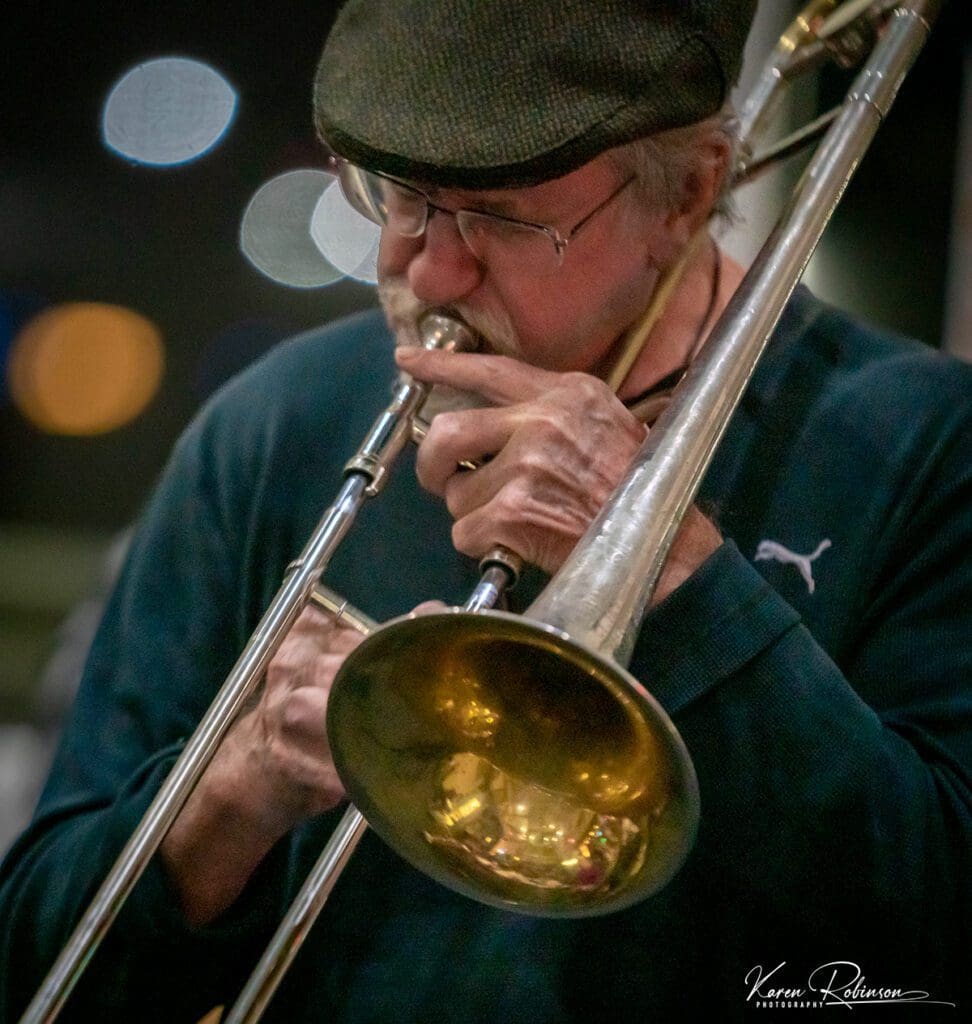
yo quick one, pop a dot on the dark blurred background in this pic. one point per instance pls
(79, 223)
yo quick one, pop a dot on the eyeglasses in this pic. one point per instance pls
(406, 211)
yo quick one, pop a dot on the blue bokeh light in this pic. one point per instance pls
(167, 112)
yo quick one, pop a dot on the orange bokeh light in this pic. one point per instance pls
(85, 368)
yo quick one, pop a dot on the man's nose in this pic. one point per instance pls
(441, 269)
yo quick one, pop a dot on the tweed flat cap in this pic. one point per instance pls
(505, 93)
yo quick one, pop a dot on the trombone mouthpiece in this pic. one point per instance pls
(441, 330)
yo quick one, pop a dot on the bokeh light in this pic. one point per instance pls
(168, 111)
(275, 234)
(347, 240)
(85, 368)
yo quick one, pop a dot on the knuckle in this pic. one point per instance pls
(590, 389)
(532, 462)
(546, 426)
(513, 501)
(291, 719)
(281, 670)
(301, 714)
(464, 538)
(574, 380)
(445, 430)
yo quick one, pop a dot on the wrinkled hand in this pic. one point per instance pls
(279, 749)
(557, 444)
(273, 770)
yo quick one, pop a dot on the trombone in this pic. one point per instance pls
(576, 637)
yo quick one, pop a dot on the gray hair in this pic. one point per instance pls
(665, 162)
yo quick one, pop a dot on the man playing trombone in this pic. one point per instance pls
(540, 172)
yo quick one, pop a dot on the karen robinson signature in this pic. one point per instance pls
(838, 983)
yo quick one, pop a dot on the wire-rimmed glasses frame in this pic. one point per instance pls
(405, 210)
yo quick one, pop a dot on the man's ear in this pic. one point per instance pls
(701, 189)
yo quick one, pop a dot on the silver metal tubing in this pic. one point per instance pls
(789, 146)
(489, 589)
(500, 571)
(342, 611)
(304, 911)
(852, 10)
(766, 93)
(392, 430)
(814, 38)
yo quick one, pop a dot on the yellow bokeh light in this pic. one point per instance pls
(85, 368)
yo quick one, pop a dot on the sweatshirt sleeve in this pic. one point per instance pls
(167, 640)
(836, 787)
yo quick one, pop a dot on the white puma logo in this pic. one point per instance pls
(771, 549)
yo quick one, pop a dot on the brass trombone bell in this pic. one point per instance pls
(513, 764)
